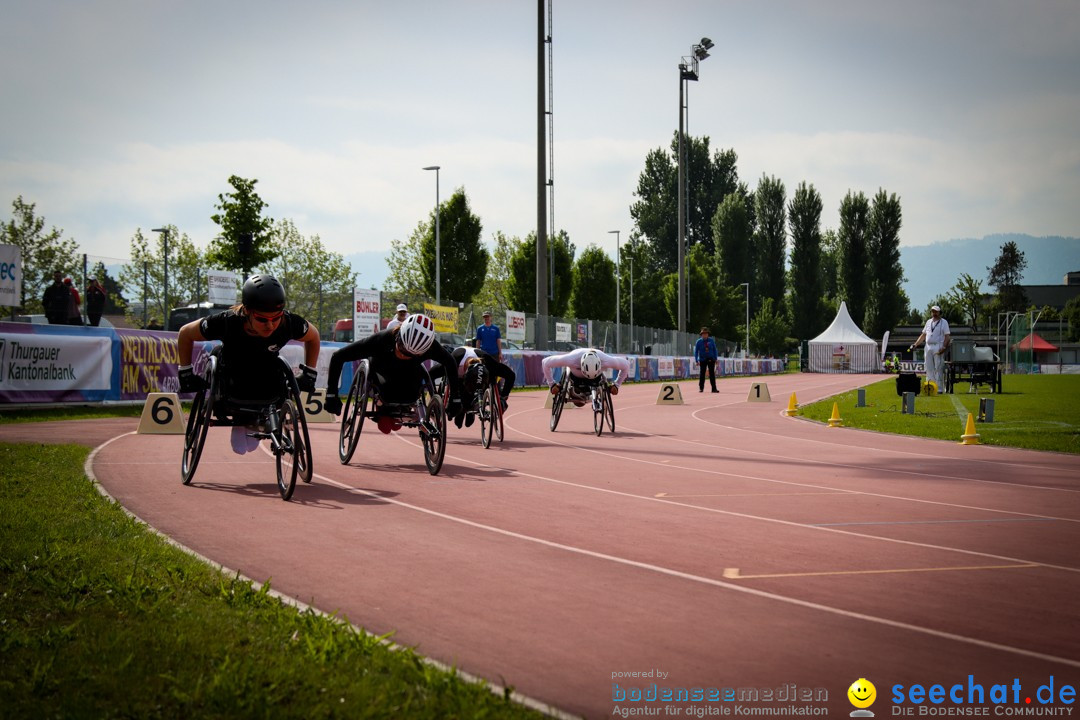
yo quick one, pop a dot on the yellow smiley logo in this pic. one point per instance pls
(862, 693)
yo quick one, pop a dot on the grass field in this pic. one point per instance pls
(101, 618)
(1038, 412)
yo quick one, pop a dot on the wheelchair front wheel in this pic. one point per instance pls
(198, 423)
(557, 403)
(486, 415)
(609, 408)
(352, 415)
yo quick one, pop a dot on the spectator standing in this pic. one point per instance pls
(95, 302)
(489, 338)
(56, 299)
(937, 337)
(402, 313)
(74, 311)
(705, 354)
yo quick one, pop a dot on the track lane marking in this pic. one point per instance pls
(733, 573)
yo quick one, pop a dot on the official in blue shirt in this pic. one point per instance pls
(488, 337)
(705, 353)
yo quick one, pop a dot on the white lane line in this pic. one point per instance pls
(713, 582)
(733, 573)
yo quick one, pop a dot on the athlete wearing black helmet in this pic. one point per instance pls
(251, 336)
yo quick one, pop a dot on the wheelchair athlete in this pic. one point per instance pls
(251, 336)
(397, 356)
(469, 361)
(586, 367)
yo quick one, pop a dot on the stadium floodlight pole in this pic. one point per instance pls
(746, 350)
(618, 280)
(165, 291)
(438, 248)
(688, 70)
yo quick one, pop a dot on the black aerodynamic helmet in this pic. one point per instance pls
(263, 293)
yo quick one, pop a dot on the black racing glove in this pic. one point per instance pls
(333, 404)
(189, 381)
(306, 379)
(455, 410)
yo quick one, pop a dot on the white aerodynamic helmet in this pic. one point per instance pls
(416, 334)
(591, 365)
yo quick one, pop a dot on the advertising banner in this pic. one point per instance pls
(34, 363)
(515, 326)
(366, 304)
(10, 266)
(562, 332)
(583, 333)
(148, 362)
(223, 286)
(444, 317)
(666, 367)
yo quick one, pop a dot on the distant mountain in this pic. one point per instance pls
(931, 270)
(372, 267)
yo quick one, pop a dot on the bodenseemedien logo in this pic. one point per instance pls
(862, 695)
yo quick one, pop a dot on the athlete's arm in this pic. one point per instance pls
(186, 340)
(619, 363)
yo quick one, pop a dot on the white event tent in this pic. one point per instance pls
(843, 348)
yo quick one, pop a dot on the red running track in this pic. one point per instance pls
(717, 542)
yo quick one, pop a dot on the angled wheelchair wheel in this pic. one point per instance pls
(433, 434)
(486, 414)
(497, 413)
(290, 452)
(557, 403)
(609, 408)
(352, 414)
(303, 455)
(198, 423)
(598, 410)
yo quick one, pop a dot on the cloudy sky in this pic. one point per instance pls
(125, 114)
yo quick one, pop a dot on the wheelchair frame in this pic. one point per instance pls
(286, 427)
(427, 414)
(488, 404)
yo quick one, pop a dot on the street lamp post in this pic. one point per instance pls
(165, 292)
(688, 70)
(746, 350)
(438, 248)
(618, 281)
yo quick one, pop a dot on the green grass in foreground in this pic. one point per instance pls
(1038, 412)
(74, 412)
(101, 618)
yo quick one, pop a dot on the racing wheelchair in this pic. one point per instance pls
(597, 393)
(280, 421)
(485, 403)
(427, 414)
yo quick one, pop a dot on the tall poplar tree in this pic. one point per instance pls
(854, 280)
(807, 283)
(886, 304)
(770, 243)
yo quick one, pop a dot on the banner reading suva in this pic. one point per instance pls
(224, 287)
(515, 326)
(10, 287)
(365, 312)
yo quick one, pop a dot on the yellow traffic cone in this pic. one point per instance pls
(792, 406)
(835, 420)
(970, 437)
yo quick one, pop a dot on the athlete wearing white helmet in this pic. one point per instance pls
(397, 356)
(585, 365)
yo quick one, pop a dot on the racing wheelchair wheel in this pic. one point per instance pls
(303, 440)
(198, 422)
(598, 410)
(485, 412)
(557, 403)
(353, 413)
(433, 432)
(609, 408)
(497, 411)
(289, 449)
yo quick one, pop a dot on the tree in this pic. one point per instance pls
(146, 269)
(770, 241)
(315, 278)
(807, 282)
(405, 278)
(647, 287)
(1071, 313)
(769, 330)
(731, 232)
(240, 218)
(463, 259)
(709, 302)
(967, 295)
(708, 181)
(521, 286)
(42, 253)
(592, 293)
(1005, 276)
(830, 267)
(885, 304)
(495, 292)
(854, 254)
